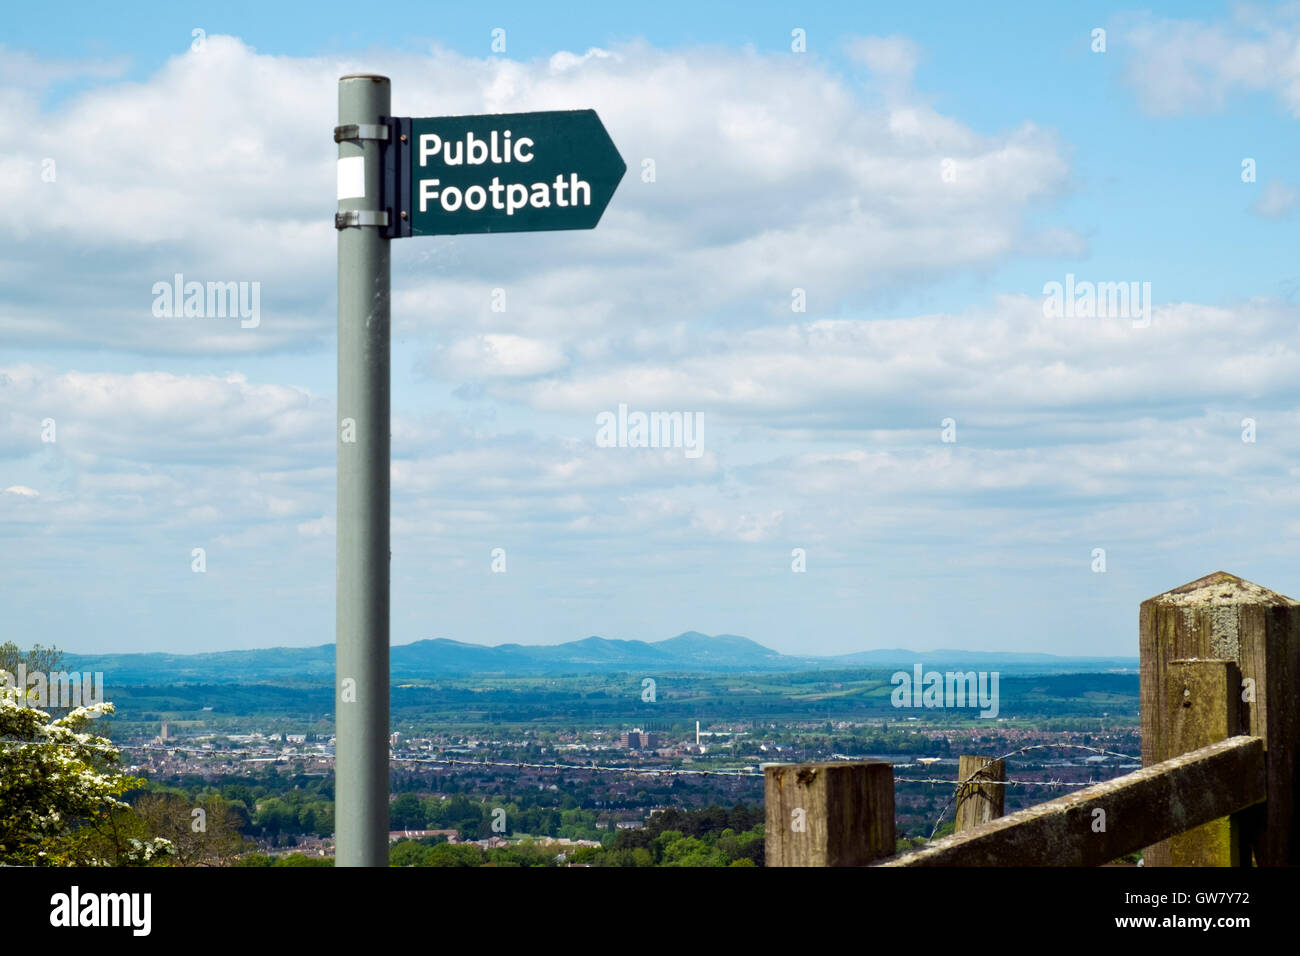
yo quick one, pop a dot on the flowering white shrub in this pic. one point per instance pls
(143, 852)
(56, 779)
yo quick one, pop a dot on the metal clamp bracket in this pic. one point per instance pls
(360, 131)
(360, 217)
(393, 135)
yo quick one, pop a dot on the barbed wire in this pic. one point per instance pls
(449, 761)
(668, 771)
(1014, 753)
(1004, 783)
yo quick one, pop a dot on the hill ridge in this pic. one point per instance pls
(689, 651)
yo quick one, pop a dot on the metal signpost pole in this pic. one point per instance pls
(401, 177)
(361, 664)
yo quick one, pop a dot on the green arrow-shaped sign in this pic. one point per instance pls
(506, 172)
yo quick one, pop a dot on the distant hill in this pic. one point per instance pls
(685, 653)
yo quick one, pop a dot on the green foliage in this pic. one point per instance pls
(713, 836)
(907, 844)
(60, 790)
(455, 854)
(524, 853)
(408, 853)
(45, 659)
(205, 832)
(704, 839)
(289, 859)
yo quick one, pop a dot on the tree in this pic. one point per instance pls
(408, 853)
(407, 812)
(60, 789)
(455, 854)
(300, 859)
(44, 659)
(202, 834)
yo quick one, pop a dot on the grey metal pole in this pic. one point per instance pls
(361, 662)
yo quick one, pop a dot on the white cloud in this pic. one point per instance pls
(1277, 201)
(822, 430)
(1179, 66)
(892, 57)
(825, 411)
(32, 74)
(498, 356)
(161, 417)
(317, 527)
(994, 365)
(771, 174)
(564, 60)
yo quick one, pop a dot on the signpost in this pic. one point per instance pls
(401, 177)
(509, 172)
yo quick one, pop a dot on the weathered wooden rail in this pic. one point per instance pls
(1220, 708)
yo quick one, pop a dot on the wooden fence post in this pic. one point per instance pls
(829, 814)
(1202, 709)
(1097, 824)
(980, 802)
(1224, 617)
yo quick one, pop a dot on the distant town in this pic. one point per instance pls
(581, 785)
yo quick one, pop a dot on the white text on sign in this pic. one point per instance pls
(509, 196)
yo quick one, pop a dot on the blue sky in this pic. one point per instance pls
(820, 170)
